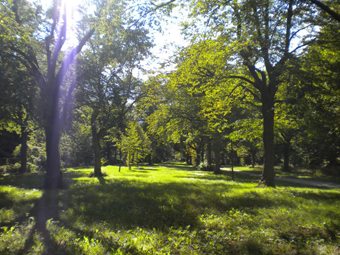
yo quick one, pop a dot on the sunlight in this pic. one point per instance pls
(72, 16)
(70, 7)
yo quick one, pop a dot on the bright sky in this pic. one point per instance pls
(165, 42)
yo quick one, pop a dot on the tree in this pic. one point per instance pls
(327, 9)
(135, 143)
(51, 81)
(315, 97)
(107, 83)
(18, 95)
(258, 48)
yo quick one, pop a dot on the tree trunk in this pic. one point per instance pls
(23, 150)
(129, 159)
(96, 151)
(150, 159)
(108, 152)
(286, 155)
(115, 155)
(253, 153)
(53, 177)
(209, 160)
(198, 159)
(217, 152)
(232, 161)
(120, 159)
(188, 159)
(268, 175)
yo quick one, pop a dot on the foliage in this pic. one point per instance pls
(135, 143)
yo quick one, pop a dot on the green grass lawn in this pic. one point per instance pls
(165, 209)
(306, 174)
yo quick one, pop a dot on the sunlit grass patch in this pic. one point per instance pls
(16, 201)
(176, 209)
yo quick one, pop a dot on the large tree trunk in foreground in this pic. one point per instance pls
(52, 126)
(96, 151)
(268, 175)
(53, 177)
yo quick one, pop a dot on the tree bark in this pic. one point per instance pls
(198, 158)
(53, 177)
(286, 154)
(232, 161)
(253, 153)
(120, 159)
(150, 159)
(217, 152)
(188, 159)
(52, 126)
(96, 151)
(129, 159)
(209, 159)
(108, 152)
(268, 175)
(23, 150)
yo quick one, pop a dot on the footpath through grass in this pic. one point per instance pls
(167, 209)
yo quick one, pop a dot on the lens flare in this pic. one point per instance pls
(69, 9)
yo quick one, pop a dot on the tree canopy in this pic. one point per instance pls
(257, 81)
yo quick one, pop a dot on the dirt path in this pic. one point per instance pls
(320, 184)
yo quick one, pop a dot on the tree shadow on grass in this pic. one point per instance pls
(101, 180)
(179, 166)
(44, 209)
(126, 205)
(25, 181)
(141, 169)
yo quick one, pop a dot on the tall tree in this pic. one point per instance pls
(48, 71)
(107, 81)
(258, 48)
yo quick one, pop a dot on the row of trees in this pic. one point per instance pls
(258, 79)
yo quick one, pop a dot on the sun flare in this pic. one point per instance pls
(69, 8)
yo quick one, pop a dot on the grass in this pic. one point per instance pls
(307, 174)
(165, 209)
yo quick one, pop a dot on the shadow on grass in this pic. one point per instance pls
(101, 180)
(179, 166)
(126, 205)
(44, 209)
(142, 169)
(26, 181)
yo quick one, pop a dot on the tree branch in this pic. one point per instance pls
(31, 64)
(67, 62)
(164, 4)
(324, 7)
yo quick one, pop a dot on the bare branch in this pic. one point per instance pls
(164, 4)
(324, 7)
